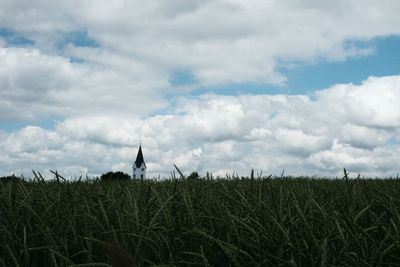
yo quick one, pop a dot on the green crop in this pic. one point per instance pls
(201, 222)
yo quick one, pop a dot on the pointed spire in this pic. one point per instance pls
(139, 158)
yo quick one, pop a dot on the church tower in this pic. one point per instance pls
(139, 167)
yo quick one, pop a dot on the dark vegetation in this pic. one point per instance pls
(114, 176)
(200, 222)
(11, 178)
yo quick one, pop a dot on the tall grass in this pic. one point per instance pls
(201, 222)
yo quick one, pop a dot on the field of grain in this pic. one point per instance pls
(201, 222)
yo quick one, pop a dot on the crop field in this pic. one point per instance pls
(266, 221)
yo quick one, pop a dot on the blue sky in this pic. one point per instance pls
(13, 39)
(215, 86)
(384, 60)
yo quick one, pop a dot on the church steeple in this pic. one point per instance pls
(139, 158)
(139, 166)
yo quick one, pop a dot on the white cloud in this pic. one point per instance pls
(141, 45)
(373, 104)
(104, 97)
(35, 85)
(220, 134)
(30, 139)
(382, 161)
(218, 41)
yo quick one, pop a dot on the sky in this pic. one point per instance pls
(221, 86)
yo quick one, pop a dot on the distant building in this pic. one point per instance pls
(139, 166)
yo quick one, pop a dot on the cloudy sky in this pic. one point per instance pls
(307, 86)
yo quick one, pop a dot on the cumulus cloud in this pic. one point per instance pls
(233, 41)
(302, 134)
(373, 104)
(36, 85)
(139, 46)
(112, 88)
(218, 41)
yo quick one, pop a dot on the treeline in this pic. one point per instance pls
(109, 176)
